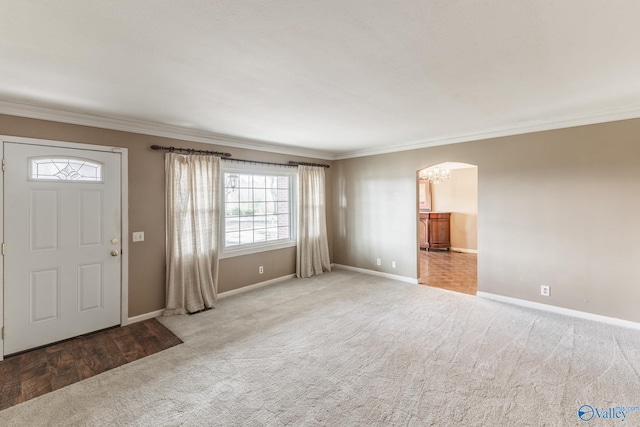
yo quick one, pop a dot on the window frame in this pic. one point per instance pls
(35, 162)
(257, 169)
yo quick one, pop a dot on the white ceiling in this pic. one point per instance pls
(332, 78)
(450, 166)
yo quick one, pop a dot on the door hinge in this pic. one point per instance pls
(3, 249)
(4, 163)
(3, 332)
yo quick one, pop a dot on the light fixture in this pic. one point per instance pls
(435, 175)
(231, 182)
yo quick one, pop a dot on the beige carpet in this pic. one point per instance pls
(350, 349)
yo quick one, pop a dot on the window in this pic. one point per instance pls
(258, 209)
(65, 169)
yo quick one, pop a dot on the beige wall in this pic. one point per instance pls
(559, 208)
(459, 195)
(146, 208)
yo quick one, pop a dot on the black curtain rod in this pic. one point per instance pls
(320, 165)
(190, 151)
(291, 163)
(227, 156)
(258, 162)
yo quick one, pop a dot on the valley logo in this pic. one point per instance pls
(588, 412)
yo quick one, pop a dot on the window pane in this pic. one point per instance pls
(270, 208)
(272, 234)
(232, 195)
(259, 221)
(272, 220)
(283, 220)
(244, 181)
(232, 209)
(272, 194)
(246, 222)
(246, 209)
(42, 170)
(271, 181)
(246, 237)
(259, 235)
(258, 195)
(246, 195)
(232, 239)
(283, 195)
(65, 169)
(257, 208)
(283, 207)
(232, 223)
(283, 232)
(230, 182)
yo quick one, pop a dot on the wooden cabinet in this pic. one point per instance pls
(424, 230)
(439, 230)
(434, 230)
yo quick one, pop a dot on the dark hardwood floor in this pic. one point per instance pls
(454, 271)
(33, 373)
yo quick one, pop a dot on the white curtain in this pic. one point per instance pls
(191, 187)
(313, 250)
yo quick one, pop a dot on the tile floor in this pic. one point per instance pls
(36, 372)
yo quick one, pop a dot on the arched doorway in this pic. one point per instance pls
(447, 217)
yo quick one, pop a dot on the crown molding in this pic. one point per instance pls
(529, 127)
(155, 129)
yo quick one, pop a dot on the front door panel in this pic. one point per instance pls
(62, 233)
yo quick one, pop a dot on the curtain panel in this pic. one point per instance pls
(312, 255)
(192, 185)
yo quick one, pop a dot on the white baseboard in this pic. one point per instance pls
(560, 310)
(465, 250)
(377, 273)
(257, 285)
(157, 313)
(145, 316)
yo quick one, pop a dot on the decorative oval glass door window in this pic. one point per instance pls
(64, 169)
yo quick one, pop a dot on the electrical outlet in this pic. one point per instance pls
(544, 290)
(393, 264)
(378, 261)
(260, 270)
(138, 236)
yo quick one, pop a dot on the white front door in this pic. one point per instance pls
(62, 227)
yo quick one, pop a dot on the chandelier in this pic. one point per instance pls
(435, 174)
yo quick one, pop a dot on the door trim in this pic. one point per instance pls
(124, 237)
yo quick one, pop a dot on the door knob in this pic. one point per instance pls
(115, 252)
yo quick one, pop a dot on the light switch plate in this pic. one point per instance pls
(138, 236)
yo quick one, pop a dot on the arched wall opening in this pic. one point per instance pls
(447, 216)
